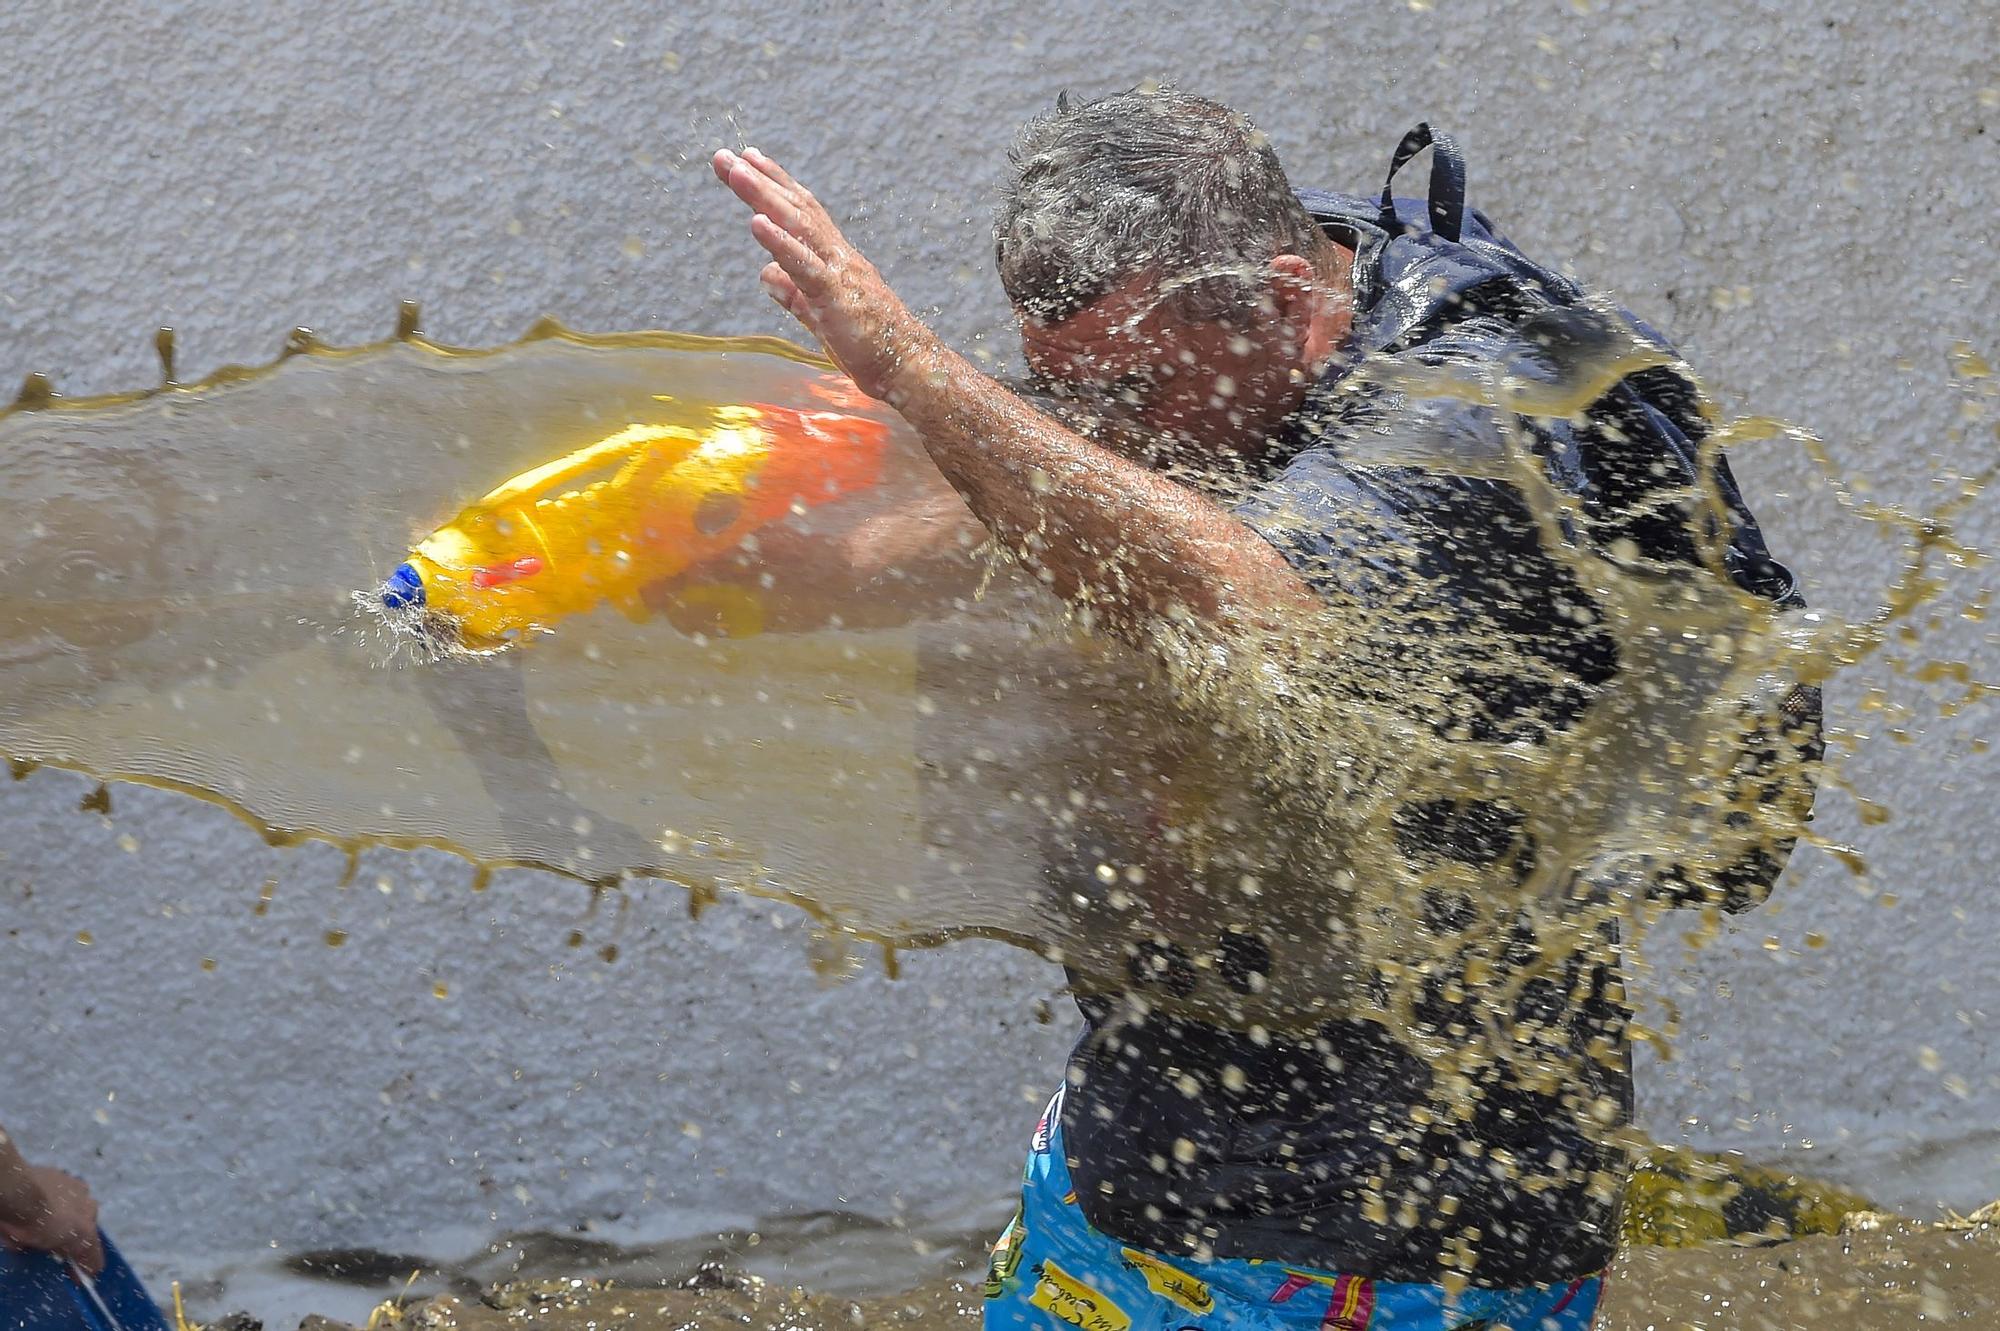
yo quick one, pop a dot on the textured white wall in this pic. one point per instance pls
(234, 170)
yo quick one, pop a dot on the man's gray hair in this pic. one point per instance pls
(1148, 181)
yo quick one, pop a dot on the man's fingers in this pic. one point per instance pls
(781, 200)
(779, 283)
(794, 305)
(88, 1253)
(757, 158)
(759, 193)
(805, 268)
(812, 219)
(767, 188)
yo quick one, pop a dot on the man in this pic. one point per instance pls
(46, 1210)
(58, 1272)
(1162, 265)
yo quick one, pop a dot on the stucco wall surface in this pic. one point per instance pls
(1803, 194)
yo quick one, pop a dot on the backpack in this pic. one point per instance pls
(1422, 270)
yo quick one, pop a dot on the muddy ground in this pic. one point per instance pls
(1880, 1276)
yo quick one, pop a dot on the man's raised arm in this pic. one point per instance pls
(1100, 528)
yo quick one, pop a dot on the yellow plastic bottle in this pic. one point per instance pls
(635, 508)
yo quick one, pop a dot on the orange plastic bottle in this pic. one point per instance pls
(635, 508)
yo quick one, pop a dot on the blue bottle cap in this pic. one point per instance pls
(404, 588)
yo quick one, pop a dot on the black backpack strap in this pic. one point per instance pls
(1447, 199)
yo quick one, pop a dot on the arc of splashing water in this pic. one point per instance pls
(38, 395)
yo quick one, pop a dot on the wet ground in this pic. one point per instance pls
(1677, 1199)
(1894, 1277)
(1712, 1243)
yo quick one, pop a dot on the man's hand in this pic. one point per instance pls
(64, 1224)
(1103, 529)
(822, 281)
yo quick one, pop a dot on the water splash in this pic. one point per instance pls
(907, 755)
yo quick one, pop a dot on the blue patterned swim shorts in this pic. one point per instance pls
(1051, 1269)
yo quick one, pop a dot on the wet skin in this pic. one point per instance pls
(1101, 527)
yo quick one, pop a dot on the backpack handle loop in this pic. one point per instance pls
(1447, 197)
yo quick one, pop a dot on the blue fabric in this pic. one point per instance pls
(38, 1293)
(1050, 1268)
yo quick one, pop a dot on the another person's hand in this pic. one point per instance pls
(823, 281)
(66, 1224)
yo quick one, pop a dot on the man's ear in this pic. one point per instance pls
(1296, 293)
(1306, 307)
(1294, 268)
